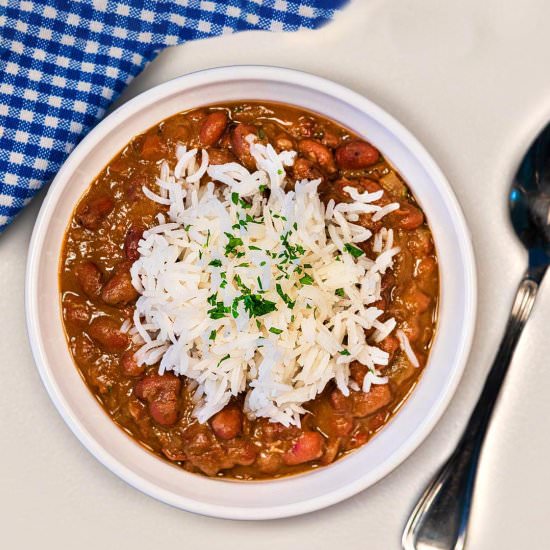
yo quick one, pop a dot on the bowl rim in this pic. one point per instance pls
(288, 76)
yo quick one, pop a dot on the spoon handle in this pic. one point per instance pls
(440, 518)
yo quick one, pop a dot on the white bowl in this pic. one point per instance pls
(298, 494)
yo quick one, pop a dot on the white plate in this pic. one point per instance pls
(293, 495)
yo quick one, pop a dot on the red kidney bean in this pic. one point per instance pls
(368, 403)
(106, 332)
(241, 148)
(355, 155)
(129, 365)
(409, 216)
(339, 401)
(330, 139)
(94, 211)
(358, 371)
(305, 169)
(118, 290)
(240, 451)
(269, 463)
(153, 148)
(89, 278)
(308, 447)
(161, 393)
(318, 153)
(390, 344)
(283, 143)
(416, 300)
(131, 241)
(212, 128)
(228, 423)
(75, 311)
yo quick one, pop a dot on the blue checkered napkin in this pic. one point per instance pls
(62, 64)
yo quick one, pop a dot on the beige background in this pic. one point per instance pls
(472, 80)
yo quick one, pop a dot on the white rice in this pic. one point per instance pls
(407, 348)
(270, 297)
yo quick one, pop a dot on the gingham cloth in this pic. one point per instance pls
(63, 63)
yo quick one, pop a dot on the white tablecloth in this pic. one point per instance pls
(471, 80)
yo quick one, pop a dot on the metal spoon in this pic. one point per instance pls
(440, 518)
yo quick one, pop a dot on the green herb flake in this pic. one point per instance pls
(213, 335)
(280, 172)
(235, 198)
(340, 292)
(306, 280)
(285, 297)
(345, 352)
(274, 330)
(232, 244)
(262, 188)
(219, 311)
(256, 306)
(252, 247)
(224, 358)
(216, 263)
(353, 250)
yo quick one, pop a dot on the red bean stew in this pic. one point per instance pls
(97, 295)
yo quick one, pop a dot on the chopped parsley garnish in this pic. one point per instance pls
(262, 188)
(256, 306)
(224, 358)
(232, 244)
(219, 311)
(274, 330)
(340, 292)
(216, 263)
(236, 200)
(207, 238)
(212, 299)
(353, 250)
(280, 172)
(345, 352)
(306, 280)
(260, 283)
(295, 226)
(213, 335)
(285, 297)
(244, 264)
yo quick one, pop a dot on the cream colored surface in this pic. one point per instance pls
(471, 81)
